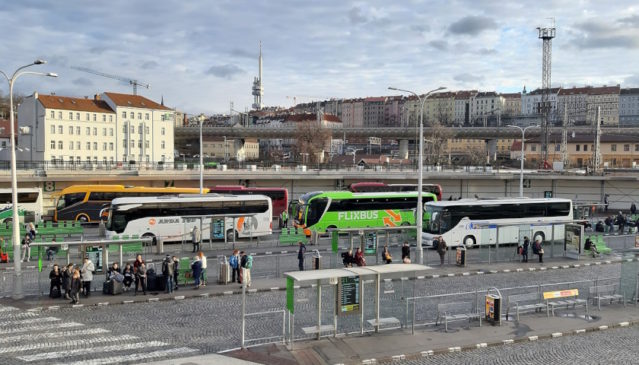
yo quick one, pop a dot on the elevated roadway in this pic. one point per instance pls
(184, 133)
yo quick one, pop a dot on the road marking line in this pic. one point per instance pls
(40, 328)
(533, 338)
(580, 331)
(56, 334)
(133, 357)
(7, 309)
(557, 334)
(72, 343)
(28, 321)
(601, 328)
(481, 345)
(624, 324)
(69, 353)
(507, 342)
(454, 349)
(506, 270)
(427, 353)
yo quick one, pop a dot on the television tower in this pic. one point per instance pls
(258, 88)
(546, 35)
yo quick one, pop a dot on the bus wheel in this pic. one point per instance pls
(539, 235)
(82, 218)
(469, 241)
(152, 236)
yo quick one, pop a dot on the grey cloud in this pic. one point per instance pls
(97, 50)
(355, 15)
(466, 77)
(607, 41)
(149, 65)
(631, 81)
(487, 51)
(632, 21)
(439, 45)
(242, 53)
(82, 81)
(472, 25)
(420, 28)
(227, 71)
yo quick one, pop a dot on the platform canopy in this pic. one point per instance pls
(313, 275)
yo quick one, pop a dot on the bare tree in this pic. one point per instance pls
(311, 139)
(437, 147)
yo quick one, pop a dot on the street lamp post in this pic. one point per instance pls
(17, 283)
(521, 170)
(201, 160)
(420, 207)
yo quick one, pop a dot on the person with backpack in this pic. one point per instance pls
(87, 275)
(441, 249)
(246, 262)
(196, 266)
(167, 271)
(234, 263)
(300, 255)
(347, 258)
(56, 281)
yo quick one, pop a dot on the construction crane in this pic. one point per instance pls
(135, 83)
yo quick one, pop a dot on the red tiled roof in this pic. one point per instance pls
(465, 94)
(311, 117)
(75, 104)
(589, 90)
(5, 128)
(378, 99)
(512, 95)
(134, 101)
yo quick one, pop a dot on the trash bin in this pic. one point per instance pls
(460, 258)
(317, 260)
(493, 309)
(224, 276)
(159, 247)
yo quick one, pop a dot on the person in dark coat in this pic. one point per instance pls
(140, 278)
(115, 268)
(76, 286)
(633, 208)
(67, 273)
(524, 250)
(129, 275)
(405, 251)
(347, 258)
(539, 250)
(300, 255)
(176, 273)
(196, 266)
(56, 280)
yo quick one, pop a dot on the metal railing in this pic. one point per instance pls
(264, 340)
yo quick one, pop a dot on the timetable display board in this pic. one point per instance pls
(349, 295)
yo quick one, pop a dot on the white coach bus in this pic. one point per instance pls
(29, 200)
(475, 221)
(173, 217)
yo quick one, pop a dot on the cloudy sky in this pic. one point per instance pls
(201, 55)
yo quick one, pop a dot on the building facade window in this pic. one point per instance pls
(60, 145)
(140, 129)
(132, 130)
(95, 131)
(585, 147)
(140, 116)
(578, 148)
(626, 148)
(132, 115)
(78, 145)
(71, 130)
(88, 117)
(70, 115)
(52, 114)
(613, 148)
(71, 146)
(146, 144)
(110, 146)
(52, 129)
(88, 146)
(111, 120)
(163, 131)
(104, 117)
(95, 146)
(104, 132)
(124, 115)
(146, 130)
(59, 115)
(77, 116)
(124, 143)
(132, 143)
(104, 145)
(110, 132)
(162, 145)
(124, 129)
(88, 131)
(95, 117)
(146, 116)
(77, 130)
(60, 130)
(53, 145)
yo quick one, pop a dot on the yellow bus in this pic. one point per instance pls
(83, 202)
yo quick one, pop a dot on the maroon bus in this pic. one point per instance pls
(279, 196)
(361, 187)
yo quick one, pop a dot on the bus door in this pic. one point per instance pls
(217, 229)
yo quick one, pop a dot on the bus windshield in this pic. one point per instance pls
(436, 220)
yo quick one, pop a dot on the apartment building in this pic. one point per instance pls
(353, 113)
(108, 128)
(629, 107)
(246, 149)
(484, 106)
(606, 99)
(374, 111)
(462, 106)
(512, 104)
(530, 102)
(617, 151)
(440, 108)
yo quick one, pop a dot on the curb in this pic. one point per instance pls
(504, 342)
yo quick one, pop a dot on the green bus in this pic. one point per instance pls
(320, 211)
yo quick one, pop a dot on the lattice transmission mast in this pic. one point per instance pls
(546, 35)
